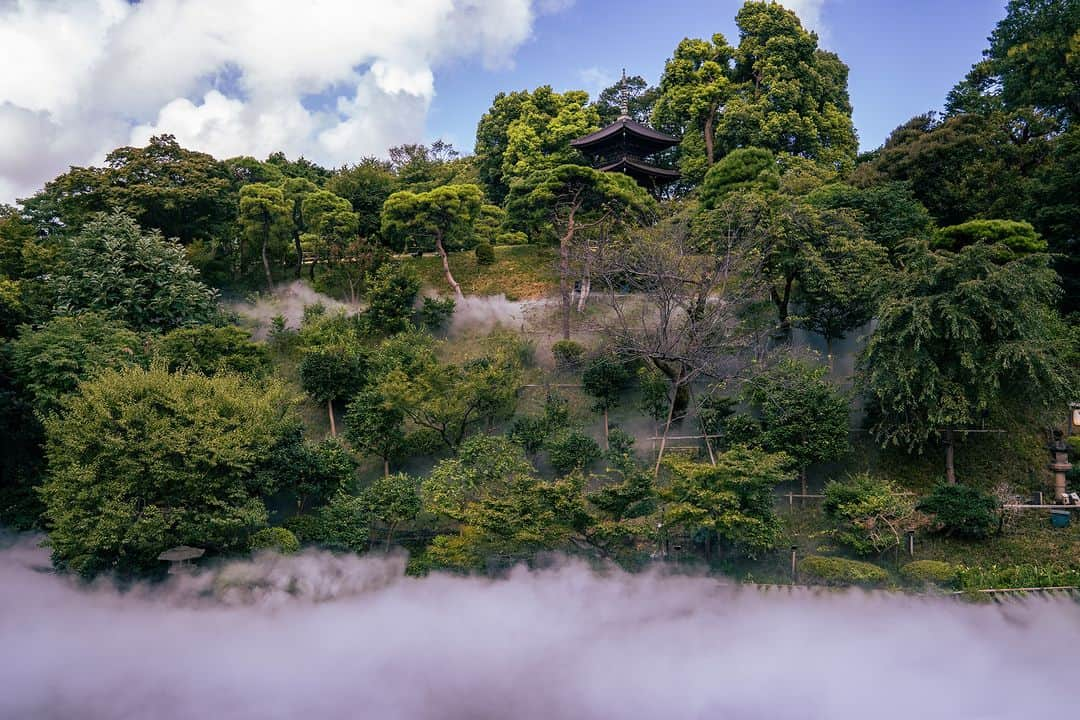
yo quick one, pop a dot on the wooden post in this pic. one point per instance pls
(794, 563)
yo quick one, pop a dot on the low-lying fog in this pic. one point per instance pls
(357, 639)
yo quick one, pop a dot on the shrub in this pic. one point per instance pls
(341, 525)
(512, 238)
(929, 572)
(570, 450)
(209, 349)
(485, 254)
(568, 354)
(961, 511)
(436, 313)
(869, 514)
(391, 292)
(275, 538)
(530, 432)
(1028, 575)
(841, 571)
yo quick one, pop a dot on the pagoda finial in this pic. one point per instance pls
(625, 96)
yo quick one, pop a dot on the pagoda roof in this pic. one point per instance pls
(637, 168)
(625, 126)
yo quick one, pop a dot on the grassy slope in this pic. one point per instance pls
(521, 272)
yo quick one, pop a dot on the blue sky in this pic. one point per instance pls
(904, 55)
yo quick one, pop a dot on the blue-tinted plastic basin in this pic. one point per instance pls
(1059, 518)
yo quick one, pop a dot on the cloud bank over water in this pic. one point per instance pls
(355, 638)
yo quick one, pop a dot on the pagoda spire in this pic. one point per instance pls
(625, 97)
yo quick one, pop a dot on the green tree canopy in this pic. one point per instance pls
(366, 185)
(777, 90)
(441, 219)
(800, 412)
(393, 500)
(142, 460)
(960, 334)
(266, 220)
(1019, 237)
(731, 502)
(139, 278)
(50, 361)
(739, 170)
(526, 132)
(210, 349)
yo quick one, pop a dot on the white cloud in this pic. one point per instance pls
(233, 77)
(809, 11)
(595, 79)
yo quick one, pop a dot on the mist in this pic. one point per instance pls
(316, 635)
(289, 302)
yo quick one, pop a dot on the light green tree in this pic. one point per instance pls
(266, 220)
(392, 500)
(141, 461)
(51, 361)
(525, 132)
(437, 219)
(731, 501)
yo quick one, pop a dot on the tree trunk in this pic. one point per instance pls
(782, 301)
(607, 433)
(709, 153)
(586, 284)
(386, 467)
(266, 267)
(389, 536)
(950, 468)
(299, 255)
(564, 283)
(667, 425)
(446, 266)
(311, 268)
(330, 411)
(802, 479)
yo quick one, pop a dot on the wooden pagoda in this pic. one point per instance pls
(628, 146)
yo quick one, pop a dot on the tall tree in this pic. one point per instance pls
(790, 96)
(332, 225)
(603, 379)
(635, 91)
(266, 220)
(960, 334)
(436, 219)
(525, 132)
(295, 191)
(1032, 59)
(694, 89)
(777, 90)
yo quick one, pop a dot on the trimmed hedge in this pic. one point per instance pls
(841, 571)
(275, 538)
(931, 572)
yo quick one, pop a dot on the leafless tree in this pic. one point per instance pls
(684, 298)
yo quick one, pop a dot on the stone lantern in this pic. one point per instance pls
(1059, 465)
